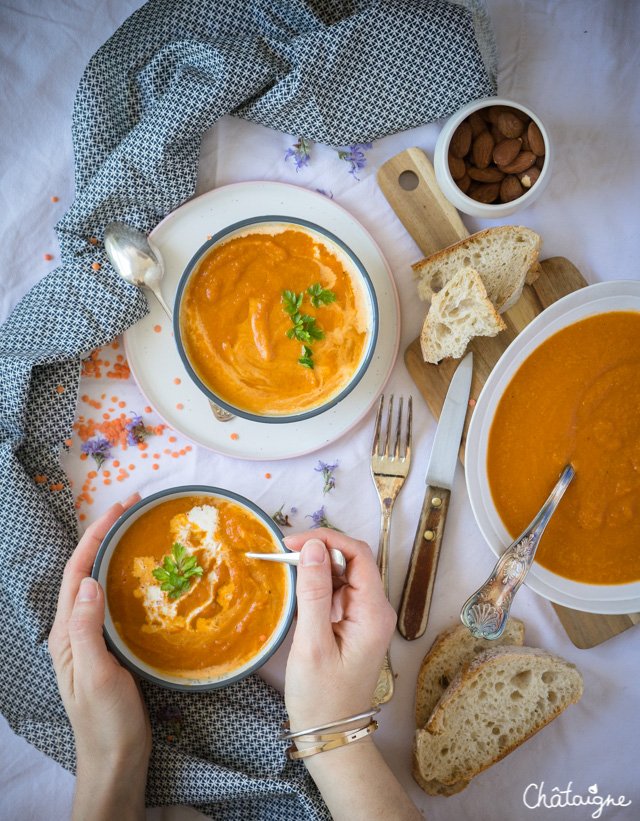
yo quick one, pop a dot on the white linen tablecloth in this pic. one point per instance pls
(577, 65)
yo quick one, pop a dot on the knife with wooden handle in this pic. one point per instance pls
(423, 564)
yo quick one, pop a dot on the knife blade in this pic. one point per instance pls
(423, 564)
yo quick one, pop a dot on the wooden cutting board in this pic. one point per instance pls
(408, 181)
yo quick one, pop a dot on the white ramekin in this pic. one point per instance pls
(448, 185)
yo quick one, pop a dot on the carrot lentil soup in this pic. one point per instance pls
(575, 399)
(234, 323)
(226, 615)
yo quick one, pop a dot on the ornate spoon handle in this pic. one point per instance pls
(486, 612)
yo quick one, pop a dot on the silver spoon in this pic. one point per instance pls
(130, 254)
(486, 613)
(338, 562)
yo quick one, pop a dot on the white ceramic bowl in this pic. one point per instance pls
(621, 295)
(448, 185)
(118, 646)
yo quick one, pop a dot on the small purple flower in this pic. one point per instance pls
(327, 474)
(171, 717)
(99, 449)
(355, 157)
(319, 519)
(301, 153)
(136, 430)
(324, 193)
(281, 518)
(294, 510)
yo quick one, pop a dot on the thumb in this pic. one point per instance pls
(85, 628)
(314, 589)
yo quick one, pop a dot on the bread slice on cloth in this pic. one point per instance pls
(458, 313)
(504, 257)
(448, 655)
(498, 701)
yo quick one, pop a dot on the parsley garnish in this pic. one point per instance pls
(320, 296)
(305, 329)
(306, 358)
(176, 572)
(292, 301)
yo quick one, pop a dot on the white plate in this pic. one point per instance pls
(620, 295)
(153, 357)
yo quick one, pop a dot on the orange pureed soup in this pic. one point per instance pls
(234, 323)
(227, 614)
(575, 399)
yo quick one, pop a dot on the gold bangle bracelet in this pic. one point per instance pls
(343, 739)
(332, 736)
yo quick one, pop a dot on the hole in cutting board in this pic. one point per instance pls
(408, 180)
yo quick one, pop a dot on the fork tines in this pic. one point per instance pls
(376, 450)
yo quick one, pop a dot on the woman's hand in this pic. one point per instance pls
(102, 700)
(342, 634)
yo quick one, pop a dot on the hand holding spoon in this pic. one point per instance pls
(486, 613)
(338, 562)
(130, 254)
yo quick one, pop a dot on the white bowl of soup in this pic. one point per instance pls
(275, 319)
(567, 390)
(185, 608)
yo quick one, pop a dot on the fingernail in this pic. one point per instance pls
(88, 590)
(313, 553)
(287, 538)
(133, 498)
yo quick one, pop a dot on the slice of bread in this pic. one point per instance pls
(435, 787)
(458, 313)
(498, 701)
(503, 257)
(448, 655)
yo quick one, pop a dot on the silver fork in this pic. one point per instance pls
(389, 472)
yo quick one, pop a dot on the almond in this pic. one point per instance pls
(483, 149)
(497, 135)
(485, 192)
(536, 140)
(488, 174)
(524, 160)
(464, 183)
(477, 123)
(456, 166)
(540, 162)
(461, 140)
(496, 110)
(506, 151)
(529, 177)
(509, 124)
(525, 141)
(510, 188)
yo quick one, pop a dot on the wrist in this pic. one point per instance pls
(110, 787)
(351, 757)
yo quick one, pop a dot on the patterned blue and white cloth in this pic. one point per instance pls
(339, 72)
